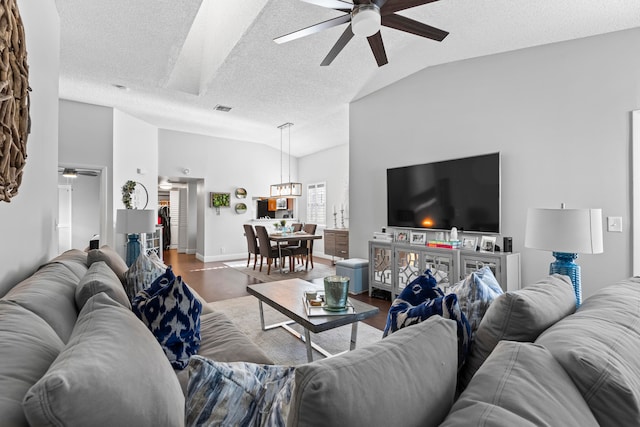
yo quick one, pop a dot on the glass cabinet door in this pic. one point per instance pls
(408, 267)
(381, 267)
(441, 267)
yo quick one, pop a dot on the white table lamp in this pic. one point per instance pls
(565, 232)
(132, 222)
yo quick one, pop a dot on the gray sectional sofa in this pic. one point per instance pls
(73, 353)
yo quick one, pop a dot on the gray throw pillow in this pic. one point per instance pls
(111, 257)
(406, 379)
(112, 372)
(521, 384)
(519, 315)
(100, 278)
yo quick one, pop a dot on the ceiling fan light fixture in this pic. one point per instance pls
(70, 173)
(365, 20)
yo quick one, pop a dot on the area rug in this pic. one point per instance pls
(280, 345)
(319, 271)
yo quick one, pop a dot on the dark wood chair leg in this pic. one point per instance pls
(269, 261)
(248, 259)
(260, 270)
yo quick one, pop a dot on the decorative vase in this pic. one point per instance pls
(336, 290)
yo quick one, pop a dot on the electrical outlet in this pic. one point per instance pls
(614, 224)
(223, 250)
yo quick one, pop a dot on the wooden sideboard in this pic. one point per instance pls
(336, 242)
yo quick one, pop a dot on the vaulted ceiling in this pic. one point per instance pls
(171, 62)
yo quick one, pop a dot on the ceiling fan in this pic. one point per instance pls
(74, 172)
(365, 18)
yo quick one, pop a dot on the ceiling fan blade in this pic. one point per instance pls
(331, 4)
(337, 48)
(313, 29)
(392, 6)
(377, 47)
(408, 25)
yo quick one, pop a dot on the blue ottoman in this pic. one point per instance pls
(357, 270)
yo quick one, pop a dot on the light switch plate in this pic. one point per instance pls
(614, 224)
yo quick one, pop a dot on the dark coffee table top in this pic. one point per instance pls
(286, 296)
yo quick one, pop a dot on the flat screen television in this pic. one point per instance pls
(462, 193)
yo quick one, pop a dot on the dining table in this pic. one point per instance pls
(295, 236)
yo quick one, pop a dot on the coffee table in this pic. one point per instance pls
(286, 296)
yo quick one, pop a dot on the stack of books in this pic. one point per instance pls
(447, 244)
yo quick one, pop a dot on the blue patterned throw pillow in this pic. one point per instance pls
(422, 299)
(172, 313)
(475, 294)
(238, 394)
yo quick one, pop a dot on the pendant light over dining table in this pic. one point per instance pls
(285, 189)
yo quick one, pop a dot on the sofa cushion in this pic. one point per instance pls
(237, 393)
(475, 294)
(598, 347)
(407, 379)
(112, 372)
(74, 259)
(221, 340)
(520, 315)
(28, 345)
(142, 273)
(50, 293)
(172, 313)
(521, 384)
(100, 278)
(111, 257)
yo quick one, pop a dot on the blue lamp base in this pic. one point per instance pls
(565, 265)
(133, 249)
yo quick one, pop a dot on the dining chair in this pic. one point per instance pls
(252, 244)
(270, 252)
(310, 229)
(294, 243)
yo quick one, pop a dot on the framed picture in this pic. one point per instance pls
(220, 200)
(488, 244)
(469, 243)
(418, 238)
(400, 236)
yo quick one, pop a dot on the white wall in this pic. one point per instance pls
(559, 114)
(223, 165)
(135, 150)
(27, 223)
(330, 166)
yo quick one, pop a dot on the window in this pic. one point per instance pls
(317, 203)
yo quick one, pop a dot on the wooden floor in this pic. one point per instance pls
(214, 281)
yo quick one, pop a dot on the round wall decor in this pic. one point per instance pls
(135, 195)
(241, 193)
(14, 100)
(240, 208)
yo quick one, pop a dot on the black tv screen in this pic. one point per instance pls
(462, 193)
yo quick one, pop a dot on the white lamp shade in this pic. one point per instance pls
(564, 230)
(133, 221)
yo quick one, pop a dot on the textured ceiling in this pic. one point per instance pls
(178, 59)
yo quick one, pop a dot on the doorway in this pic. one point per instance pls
(81, 209)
